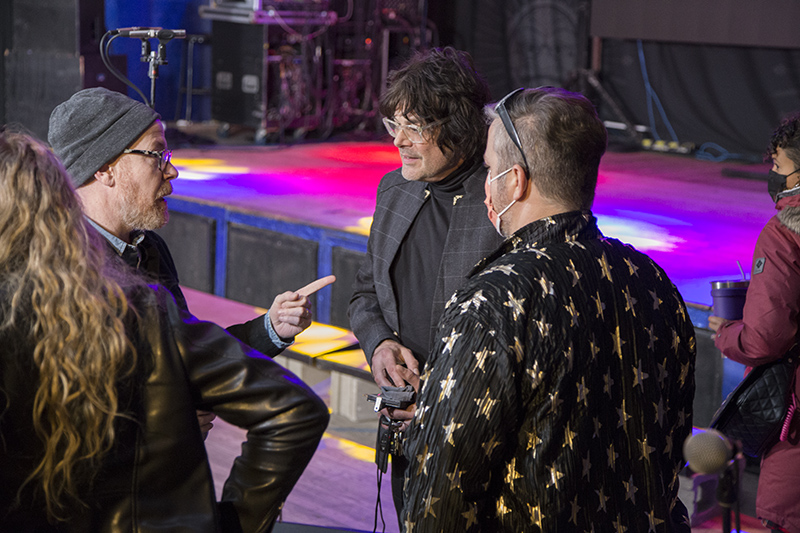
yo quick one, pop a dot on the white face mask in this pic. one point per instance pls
(506, 208)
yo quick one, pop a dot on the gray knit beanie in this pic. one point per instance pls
(93, 127)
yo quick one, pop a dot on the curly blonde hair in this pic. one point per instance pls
(57, 295)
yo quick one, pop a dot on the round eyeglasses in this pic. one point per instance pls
(163, 156)
(414, 133)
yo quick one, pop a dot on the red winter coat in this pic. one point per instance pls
(766, 332)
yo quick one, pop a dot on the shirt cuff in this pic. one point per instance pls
(273, 336)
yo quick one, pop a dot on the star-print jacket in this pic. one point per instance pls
(559, 393)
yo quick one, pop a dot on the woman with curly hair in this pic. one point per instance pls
(100, 377)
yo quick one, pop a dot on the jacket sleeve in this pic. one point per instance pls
(254, 333)
(768, 328)
(283, 417)
(465, 415)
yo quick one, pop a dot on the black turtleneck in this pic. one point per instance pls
(415, 269)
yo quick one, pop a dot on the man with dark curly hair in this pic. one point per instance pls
(430, 226)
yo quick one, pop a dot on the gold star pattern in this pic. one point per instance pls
(668, 446)
(612, 457)
(449, 429)
(555, 401)
(447, 386)
(490, 445)
(481, 356)
(652, 344)
(623, 417)
(547, 286)
(573, 517)
(653, 521)
(536, 374)
(455, 478)
(662, 373)
(544, 328)
(684, 372)
(633, 270)
(422, 459)
(569, 437)
(583, 392)
(603, 499)
(515, 305)
(605, 268)
(486, 404)
(600, 306)
(639, 375)
(408, 526)
(477, 300)
(429, 501)
(533, 440)
(536, 515)
(630, 490)
(597, 426)
(450, 341)
(576, 276)
(587, 465)
(594, 347)
(656, 300)
(679, 305)
(512, 474)
(630, 301)
(505, 269)
(471, 516)
(608, 382)
(660, 411)
(518, 350)
(555, 475)
(618, 527)
(618, 342)
(646, 449)
(573, 313)
(502, 509)
(569, 353)
(676, 340)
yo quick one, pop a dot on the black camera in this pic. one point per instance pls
(389, 441)
(394, 397)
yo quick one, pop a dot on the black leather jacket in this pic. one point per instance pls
(157, 476)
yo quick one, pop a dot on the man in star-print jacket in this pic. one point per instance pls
(560, 389)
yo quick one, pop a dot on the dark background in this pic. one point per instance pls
(717, 74)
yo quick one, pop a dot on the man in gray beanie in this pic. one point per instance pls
(116, 153)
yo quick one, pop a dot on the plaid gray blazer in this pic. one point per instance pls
(471, 237)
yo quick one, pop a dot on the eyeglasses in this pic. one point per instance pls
(500, 108)
(414, 133)
(163, 156)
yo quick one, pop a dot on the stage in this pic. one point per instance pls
(690, 216)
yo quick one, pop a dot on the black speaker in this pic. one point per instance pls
(51, 50)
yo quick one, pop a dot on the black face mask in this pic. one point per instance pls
(776, 183)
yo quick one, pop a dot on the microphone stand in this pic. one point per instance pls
(728, 495)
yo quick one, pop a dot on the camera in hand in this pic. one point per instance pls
(394, 397)
(389, 437)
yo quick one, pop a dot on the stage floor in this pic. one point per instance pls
(692, 217)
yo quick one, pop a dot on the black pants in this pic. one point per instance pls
(399, 465)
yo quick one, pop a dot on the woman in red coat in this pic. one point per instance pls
(769, 327)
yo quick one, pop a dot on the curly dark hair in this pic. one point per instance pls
(786, 136)
(442, 83)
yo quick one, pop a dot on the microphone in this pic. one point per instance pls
(708, 452)
(151, 33)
